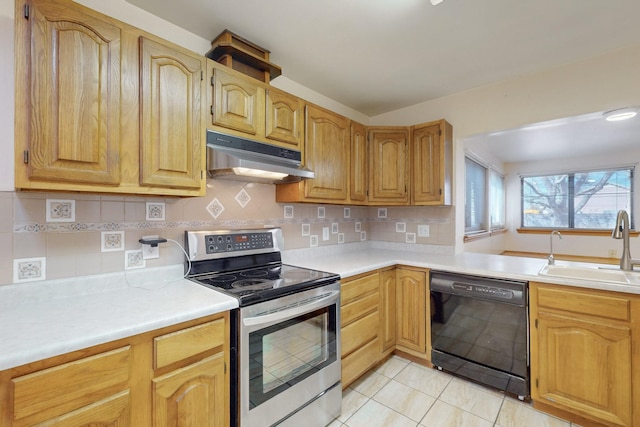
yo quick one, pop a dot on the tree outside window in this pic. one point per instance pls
(577, 200)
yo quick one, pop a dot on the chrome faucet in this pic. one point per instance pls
(550, 257)
(621, 231)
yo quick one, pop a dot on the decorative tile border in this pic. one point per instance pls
(29, 269)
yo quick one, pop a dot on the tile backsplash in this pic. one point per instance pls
(59, 235)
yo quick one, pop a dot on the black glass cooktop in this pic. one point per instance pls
(266, 282)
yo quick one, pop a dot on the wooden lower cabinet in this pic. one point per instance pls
(585, 354)
(388, 310)
(175, 376)
(360, 325)
(191, 396)
(413, 334)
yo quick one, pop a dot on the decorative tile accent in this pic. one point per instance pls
(401, 227)
(29, 269)
(410, 238)
(358, 227)
(347, 212)
(134, 259)
(382, 212)
(288, 211)
(313, 240)
(320, 211)
(340, 238)
(306, 229)
(363, 236)
(334, 228)
(61, 210)
(155, 211)
(243, 198)
(111, 241)
(215, 208)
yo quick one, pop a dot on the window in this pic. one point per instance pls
(578, 200)
(484, 208)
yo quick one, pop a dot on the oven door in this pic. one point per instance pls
(289, 356)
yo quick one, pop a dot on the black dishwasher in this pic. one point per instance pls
(479, 330)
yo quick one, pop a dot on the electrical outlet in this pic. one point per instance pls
(148, 251)
(613, 253)
(423, 230)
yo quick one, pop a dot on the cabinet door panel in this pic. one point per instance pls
(388, 166)
(411, 321)
(285, 119)
(359, 177)
(75, 97)
(193, 396)
(171, 125)
(388, 309)
(427, 159)
(586, 366)
(327, 154)
(237, 103)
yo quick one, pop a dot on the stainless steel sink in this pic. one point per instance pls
(590, 273)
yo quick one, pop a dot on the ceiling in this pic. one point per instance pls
(377, 56)
(555, 139)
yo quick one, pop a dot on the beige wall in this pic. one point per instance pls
(598, 84)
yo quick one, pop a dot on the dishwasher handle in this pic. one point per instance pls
(506, 291)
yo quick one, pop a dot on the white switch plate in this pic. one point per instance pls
(325, 233)
(423, 230)
(148, 251)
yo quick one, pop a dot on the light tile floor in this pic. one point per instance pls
(400, 393)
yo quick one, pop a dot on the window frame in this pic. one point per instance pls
(571, 220)
(486, 225)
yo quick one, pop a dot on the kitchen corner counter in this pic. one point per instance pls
(45, 319)
(361, 258)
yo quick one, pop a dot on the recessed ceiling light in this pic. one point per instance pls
(620, 114)
(435, 2)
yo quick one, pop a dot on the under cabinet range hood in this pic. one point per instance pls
(242, 159)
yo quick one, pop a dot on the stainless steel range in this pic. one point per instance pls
(286, 333)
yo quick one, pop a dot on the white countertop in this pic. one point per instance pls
(45, 319)
(361, 258)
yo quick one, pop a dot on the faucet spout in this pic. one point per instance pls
(621, 231)
(550, 258)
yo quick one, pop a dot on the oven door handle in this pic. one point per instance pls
(264, 320)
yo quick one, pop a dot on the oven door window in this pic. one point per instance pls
(286, 353)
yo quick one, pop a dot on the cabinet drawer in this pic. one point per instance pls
(359, 332)
(188, 342)
(64, 388)
(359, 362)
(592, 304)
(359, 308)
(354, 289)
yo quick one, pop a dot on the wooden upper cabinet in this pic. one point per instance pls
(238, 103)
(327, 154)
(171, 116)
(284, 119)
(69, 126)
(359, 177)
(388, 167)
(431, 163)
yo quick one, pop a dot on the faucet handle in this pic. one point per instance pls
(551, 260)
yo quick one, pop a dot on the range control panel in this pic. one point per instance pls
(216, 244)
(238, 242)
